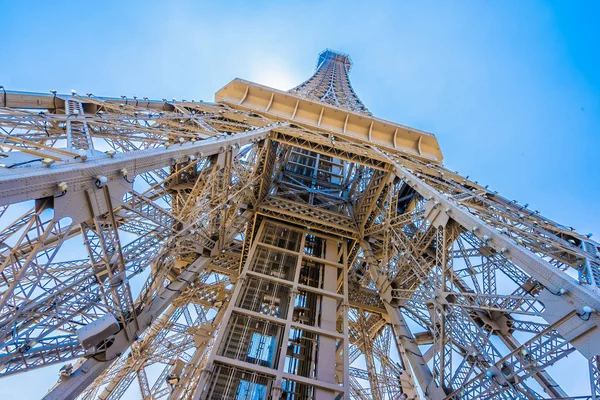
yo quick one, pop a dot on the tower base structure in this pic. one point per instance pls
(275, 245)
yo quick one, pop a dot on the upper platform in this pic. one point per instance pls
(327, 101)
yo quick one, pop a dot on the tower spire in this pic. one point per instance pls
(330, 83)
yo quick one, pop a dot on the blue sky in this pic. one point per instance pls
(511, 88)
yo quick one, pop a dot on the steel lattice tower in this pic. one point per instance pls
(274, 245)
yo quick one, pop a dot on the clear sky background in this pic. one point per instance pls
(511, 88)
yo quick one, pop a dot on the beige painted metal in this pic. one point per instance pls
(338, 121)
(403, 241)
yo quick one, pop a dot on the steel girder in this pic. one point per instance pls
(97, 193)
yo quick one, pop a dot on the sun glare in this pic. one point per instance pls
(275, 74)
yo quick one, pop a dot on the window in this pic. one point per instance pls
(261, 347)
(250, 391)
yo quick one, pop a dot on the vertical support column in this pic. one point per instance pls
(284, 349)
(346, 322)
(220, 190)
(442, 324)
(402, 333)
(327, 345)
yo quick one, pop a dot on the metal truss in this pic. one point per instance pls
(274, 246)
(330, 83)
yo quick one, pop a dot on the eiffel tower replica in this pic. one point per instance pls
(275, 245)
